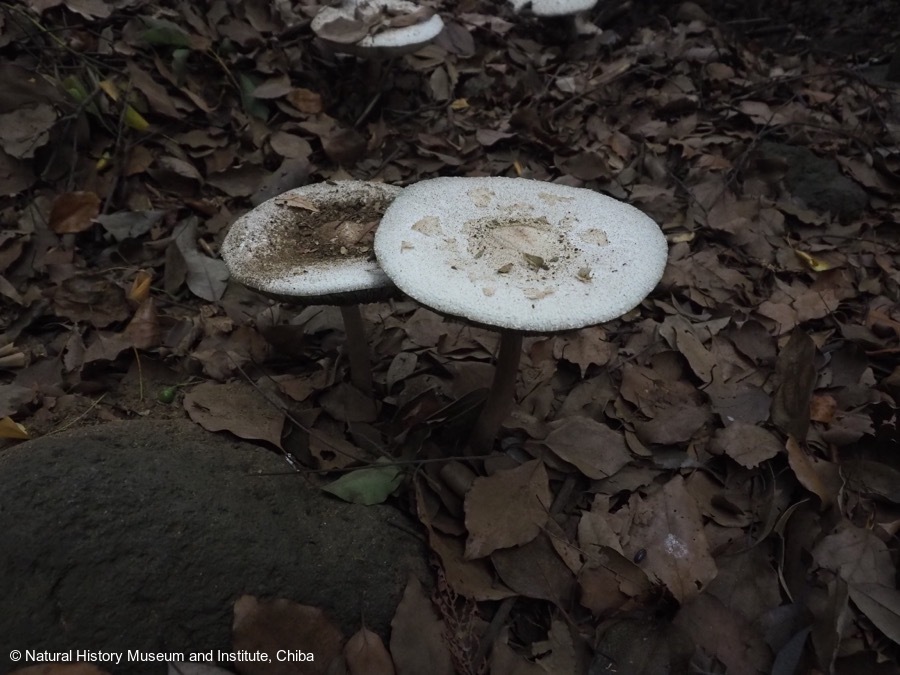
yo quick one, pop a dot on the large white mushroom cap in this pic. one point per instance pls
(387, 39)
(553, 7)
(313, 244)
(519, 254)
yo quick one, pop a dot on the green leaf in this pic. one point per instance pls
(179, 64)
(160, 32)
(252, 105)
(367, 486)
(78, 91)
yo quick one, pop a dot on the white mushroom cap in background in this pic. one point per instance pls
(279, 250)
(388, 41)
(553, 7)
(519, 254)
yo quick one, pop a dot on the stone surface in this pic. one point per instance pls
(818, 182)
(141, 535)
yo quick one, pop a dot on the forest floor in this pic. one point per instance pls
(710, 483)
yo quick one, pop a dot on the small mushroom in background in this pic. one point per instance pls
(519, 256)
(569, 14)
(376, 29)
(313, 246)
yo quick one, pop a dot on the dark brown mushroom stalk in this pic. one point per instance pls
(519, 256)
(502, 394)
(314, 246)
(357, 349)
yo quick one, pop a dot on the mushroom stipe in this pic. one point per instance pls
(313, 245)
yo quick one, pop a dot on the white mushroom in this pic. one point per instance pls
(568, 12)
(376, 28)
(313, 245)
(522, 256)
(553, 7)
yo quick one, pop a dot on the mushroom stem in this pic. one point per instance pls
(357, 349)
(502, 394)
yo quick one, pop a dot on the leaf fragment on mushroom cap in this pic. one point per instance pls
(538, 293)
(553, 199)
(343, 30)
(411, 19)
(595, 236)
(297, 201)
(481, 196)
(429, 225)
(535, 261)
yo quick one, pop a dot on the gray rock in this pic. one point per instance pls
(141, 535)
(818, 182)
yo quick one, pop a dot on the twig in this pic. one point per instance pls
(493, 630)
(137, 360)
(282, 408)
(73, 421)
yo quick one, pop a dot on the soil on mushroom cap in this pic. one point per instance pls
(300, 237)
(530, 243)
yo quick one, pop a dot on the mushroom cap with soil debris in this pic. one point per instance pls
(376, 28)
(553, 7)
(518, 254)
(313, 245)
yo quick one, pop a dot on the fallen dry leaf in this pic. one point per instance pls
(417, 635)
(205, 276)
(726, 635)
(272, 625)
(558, 653)
(668, 526)
(13, 430)
(143, 330)
(506, 509)
(642, 647)
(188, 668)
(609, 579)
(24, 131)
(505, 661)
(881, 604)
(810, 471)
(74, 212)
(61, 669)
(747, 444)
(858, 555)
(796, 374)
(535, 570)
(235, 407)
(595, 449)
(365, 654)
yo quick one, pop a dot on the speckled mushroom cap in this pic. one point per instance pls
(519, 254)
(313, 245)
(553, 7)
(387, 42)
